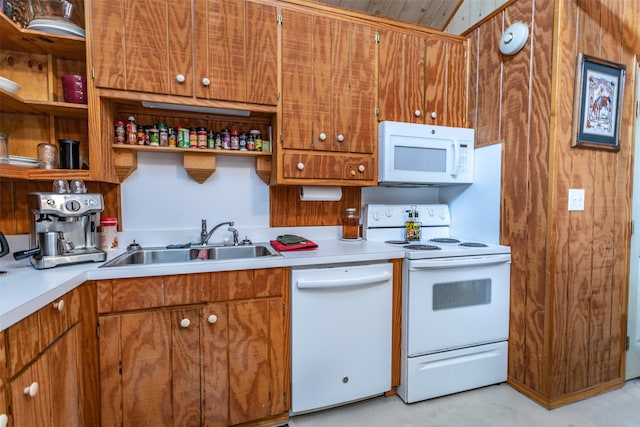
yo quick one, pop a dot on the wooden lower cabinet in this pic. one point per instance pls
(211, 364)
(49, 391)
(51, 360)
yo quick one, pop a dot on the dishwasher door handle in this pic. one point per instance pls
(343, 283)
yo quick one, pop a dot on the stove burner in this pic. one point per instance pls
(422, 247)
(473, 245)
(444, 240)
(397, 242)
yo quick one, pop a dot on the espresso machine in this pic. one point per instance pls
(64, 229)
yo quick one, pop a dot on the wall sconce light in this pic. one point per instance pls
(514, 38)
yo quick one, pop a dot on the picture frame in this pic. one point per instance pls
(598, 103)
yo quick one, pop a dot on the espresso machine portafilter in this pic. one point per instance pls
(64, 229)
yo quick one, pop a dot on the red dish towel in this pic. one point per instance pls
(304, 246)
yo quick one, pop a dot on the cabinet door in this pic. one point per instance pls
(31, 396)
(185, 366)
(235, 56)
(135, 369)
(65, 373)
(214, 368)
(297, 80)
(256, 359)
(446, 73)
(108, 43)
(401, 77)
(4, 413)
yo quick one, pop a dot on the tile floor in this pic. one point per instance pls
(494, 406)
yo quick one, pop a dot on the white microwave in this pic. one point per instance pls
(415, 154)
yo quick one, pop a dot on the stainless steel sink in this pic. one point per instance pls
(197, 253)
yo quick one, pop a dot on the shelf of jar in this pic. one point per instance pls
(11, 103)
(36, 174)
(199, 163)
(18, 39)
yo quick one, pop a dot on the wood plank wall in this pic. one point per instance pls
(286, 209)
(14, 212)
(569, 275)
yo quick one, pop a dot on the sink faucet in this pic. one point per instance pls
(205, 236)
(235, 235)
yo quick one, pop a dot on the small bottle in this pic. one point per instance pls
(417, 225)
(234, 140)
(350, 224)
(226, 139)
(257, 138)
(120, 132)
(409, 226)
(202, 137)
(171, 137)
(242, 141)
(163, 134)
(211, 139)
(193, 138)
(154, 136)
(132, 131)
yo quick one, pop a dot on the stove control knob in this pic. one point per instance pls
(376, 216)
(389, 213)
(442, 215)
(431, 213)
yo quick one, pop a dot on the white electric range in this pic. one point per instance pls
(455, 303)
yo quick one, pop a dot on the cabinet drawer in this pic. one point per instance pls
(359, 168)
(312, 166)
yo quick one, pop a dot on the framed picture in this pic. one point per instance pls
(598, 100)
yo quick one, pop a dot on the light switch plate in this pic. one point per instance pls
(576, 199)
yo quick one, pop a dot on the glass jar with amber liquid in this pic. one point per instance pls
(350, 224)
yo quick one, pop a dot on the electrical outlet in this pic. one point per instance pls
(576, 199)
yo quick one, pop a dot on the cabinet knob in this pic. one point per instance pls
(32, 390)
(4, 420)
(361, 168)
(180, 78)
(206, 81)
(340, 137)
(59, 305)
(417, 113)
(353, 173)
(322, 136)
(300, 166)
(433, 115)
(184, 323)
(212, 319)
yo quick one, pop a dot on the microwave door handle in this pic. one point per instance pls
(454, 172)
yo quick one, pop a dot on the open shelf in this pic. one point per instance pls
(16, 38)
(15, 104)
(199, 163)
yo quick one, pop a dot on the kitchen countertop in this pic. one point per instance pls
(24, 290)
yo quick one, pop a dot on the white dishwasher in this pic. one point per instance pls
(340, 334)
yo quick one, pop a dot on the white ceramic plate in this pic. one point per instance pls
(9, 85)
(26, 162)
(55, 27)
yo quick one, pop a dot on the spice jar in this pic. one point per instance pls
(163, 135)
(193, 138)
(120, 132)
(350, 224)
(202, 137)
(108, 233)
(226, 139)
(132, 131)
(154, 136)
(235, 140)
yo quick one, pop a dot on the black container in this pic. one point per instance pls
(69, 154)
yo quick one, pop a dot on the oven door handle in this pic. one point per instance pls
(459, 262)
(343, 283)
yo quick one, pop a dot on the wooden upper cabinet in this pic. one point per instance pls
(401, 76)
(446, 87)
(422, 79)
(213, 49)
(328, 100)
(328, 80)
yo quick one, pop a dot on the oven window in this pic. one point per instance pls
(461, 294)
(419, 159)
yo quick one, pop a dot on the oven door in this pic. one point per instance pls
(456, 302)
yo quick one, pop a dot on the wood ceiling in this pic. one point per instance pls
(427, 13)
